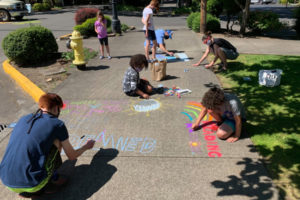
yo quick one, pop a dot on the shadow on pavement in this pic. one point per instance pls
(250, 183)
(94, 68)
(274, 111)
(85, 180)
(170, 77)
(292, 172)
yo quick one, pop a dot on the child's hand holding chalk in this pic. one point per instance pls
(90, 144)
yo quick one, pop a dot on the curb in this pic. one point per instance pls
(34, 91)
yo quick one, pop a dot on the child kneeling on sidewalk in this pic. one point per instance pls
(132, 84)
(227, 110)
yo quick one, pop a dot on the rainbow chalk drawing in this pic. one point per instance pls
(142, 145)
(191, 110)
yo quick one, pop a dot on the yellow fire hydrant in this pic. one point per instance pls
(77, 46)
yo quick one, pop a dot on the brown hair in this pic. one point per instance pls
(99, 13)
(155, 3)
(206, 35)
(50, 100)
(213, 98)
(138, 61)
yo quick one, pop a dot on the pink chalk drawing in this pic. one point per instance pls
(88, 108)
(208, 127)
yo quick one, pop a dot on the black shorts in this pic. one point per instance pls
(151, 35)
(141, 86)
(103, 41)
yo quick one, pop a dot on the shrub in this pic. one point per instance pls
(215, 7)
(263, 21)
(182, 10)
(37, 7)
(29, 45)
(190, 19)
(88, 54)
(196, 22)
(127, 7)
(195, 5)
(124, 27)
(87, 28)
(46, 6)
(85, 13)
(297, 25)
(212, 23)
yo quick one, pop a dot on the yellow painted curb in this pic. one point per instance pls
(34, 91)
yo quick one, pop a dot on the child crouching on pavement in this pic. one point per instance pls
(132, 84)
(227, 110)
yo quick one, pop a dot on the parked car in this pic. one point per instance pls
(12, 8)
(262, 1)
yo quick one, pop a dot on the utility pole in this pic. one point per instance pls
(115, 24)
(203, 16)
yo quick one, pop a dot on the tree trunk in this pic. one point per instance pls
(245, 14)
(203, 16)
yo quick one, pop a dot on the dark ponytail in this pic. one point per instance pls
(206, 35)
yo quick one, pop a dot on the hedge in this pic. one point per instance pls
(29, 45)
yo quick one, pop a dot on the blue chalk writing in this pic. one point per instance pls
(124, 144)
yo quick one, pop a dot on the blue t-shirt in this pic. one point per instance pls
(160, 34)
(23, 164)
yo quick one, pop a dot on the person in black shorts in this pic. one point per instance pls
(149, 29)
(220, 48)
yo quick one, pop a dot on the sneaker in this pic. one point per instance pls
(108, 57)
(101, 57)
(150, 61)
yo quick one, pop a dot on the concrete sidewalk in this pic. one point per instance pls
(150, 153)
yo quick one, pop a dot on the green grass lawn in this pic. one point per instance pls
(273, 114)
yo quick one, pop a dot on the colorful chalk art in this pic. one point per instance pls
(191, 111)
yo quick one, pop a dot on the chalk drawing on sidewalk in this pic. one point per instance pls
(142, 145)
(145, 106)
(209, 130)
(89, 108)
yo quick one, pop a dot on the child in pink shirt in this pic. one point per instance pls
(100, 29)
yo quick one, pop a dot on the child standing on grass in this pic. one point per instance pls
(132, 84)
(100, 29)
(227, 110)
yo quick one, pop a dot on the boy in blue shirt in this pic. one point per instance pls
(32, 155)
(161, 35)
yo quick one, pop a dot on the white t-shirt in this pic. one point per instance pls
(146, 12)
